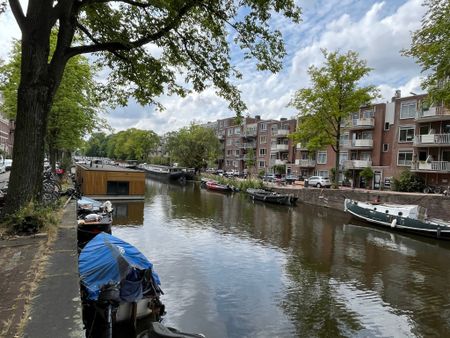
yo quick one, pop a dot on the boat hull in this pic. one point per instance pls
(270, 197)
(437, 229)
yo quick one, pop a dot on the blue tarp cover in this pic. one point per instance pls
(108, 259)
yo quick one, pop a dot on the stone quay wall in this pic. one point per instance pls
(438, 205)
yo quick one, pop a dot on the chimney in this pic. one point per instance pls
(283, 119)
(397, 95)
(258, 117)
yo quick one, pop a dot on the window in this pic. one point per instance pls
(408, 110)
(229, 152)
(424, 130)
(262, 151)
(367, 114)
(386, 125)
(263, 139)
(237, 131)
(117, 188)
(322, 157)
(404, 157)
(236, 152)
(221, 124)
(261, 164)
(406, 134)
(230, 132)
(229, 142)
(263, 126)
(385, 147)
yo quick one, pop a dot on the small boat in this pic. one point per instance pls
(215, 186)
(86, 205)
(91, 224)
(272, 197)
(117, 284)
(409, 218)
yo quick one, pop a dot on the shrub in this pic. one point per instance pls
(367, 174)
(408, 182)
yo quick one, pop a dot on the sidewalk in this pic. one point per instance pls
(56, 307)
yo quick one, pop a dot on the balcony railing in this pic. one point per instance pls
(363, 123)
(357, 164)
(250, 133)
(282, 147)
(280, 162)
(432, 139)
(368, 143)
(443, 166)
(247, 145)
(281, 132)
(433, 113)
(306, 163)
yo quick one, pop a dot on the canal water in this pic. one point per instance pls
(231, 267)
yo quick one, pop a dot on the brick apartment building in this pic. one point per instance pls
(390, 137)
(6, 132)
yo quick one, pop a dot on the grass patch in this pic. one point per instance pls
(31, 219)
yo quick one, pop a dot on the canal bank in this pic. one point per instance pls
(436, 204)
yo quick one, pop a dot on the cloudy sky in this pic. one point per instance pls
(377, 30)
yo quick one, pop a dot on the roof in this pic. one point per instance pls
(107, 167)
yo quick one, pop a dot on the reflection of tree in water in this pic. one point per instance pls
(310, 299)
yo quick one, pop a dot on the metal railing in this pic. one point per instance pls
(432, 139)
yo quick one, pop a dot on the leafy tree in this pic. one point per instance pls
(132, 144)
(334, 95)
(192, 37)
(367, 173)
(74, 110)
(431, 47)
(250, 160)
(408, 182)
(279, 169)
(96, 146)
(193, 146)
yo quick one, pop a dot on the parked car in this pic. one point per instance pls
(269, 178)
(291, 179)
(319, 181)
(8, 164)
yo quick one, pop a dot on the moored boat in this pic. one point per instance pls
(90, 224)
(215, 186)
(168, 173)
(409, 218)
(272, 197)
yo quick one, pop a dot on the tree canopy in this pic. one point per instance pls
(193, 146)
(75, 107)
(335, 94)
(146, 45)
(431, 47)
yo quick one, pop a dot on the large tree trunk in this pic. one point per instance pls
(34, 98)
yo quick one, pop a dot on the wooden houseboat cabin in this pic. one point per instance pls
(111, 182)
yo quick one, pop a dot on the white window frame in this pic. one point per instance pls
(263, 139)
(263, 164)
(262, 152)
(236, 152)
(405, 110)
(229, 142)
(323, 173)
(401, 128)
(385, 149)
(237, 131)
(325, 156)
(404, 163)
(263, 126)
(230, 132)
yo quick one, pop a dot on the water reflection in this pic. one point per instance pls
(128, 213)
(234, 268)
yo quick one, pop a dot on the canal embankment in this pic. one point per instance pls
(438, 205)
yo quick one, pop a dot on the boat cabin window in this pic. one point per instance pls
(387, 211)
(118, 188)
(400, 213)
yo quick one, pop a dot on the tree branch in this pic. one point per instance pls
(117, 45)
(18, 13)
(129, 2)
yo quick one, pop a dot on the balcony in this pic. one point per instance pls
(280, 162)
(281, 133)
(357, 164)
(433, 166)
(306, 163)
(433, 114)
(364, 123)
(344, 144)
(368, 143)
(250, 133)
(282, 147)
(432, 140)
(248, 145)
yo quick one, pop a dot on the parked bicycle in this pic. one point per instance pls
(430, 189)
